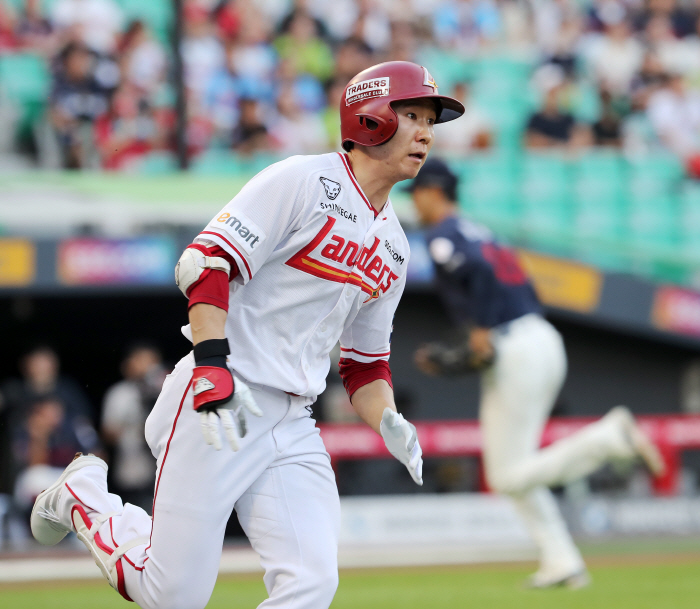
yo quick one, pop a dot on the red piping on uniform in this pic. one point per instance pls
(165, 456)
(121, 587)
(116, 545)
(233, 247)
(351, 173)
(366, 354)
(79, 499)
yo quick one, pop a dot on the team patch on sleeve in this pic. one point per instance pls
(243, 230)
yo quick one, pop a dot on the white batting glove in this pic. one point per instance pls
(401, 439)
(231, 416)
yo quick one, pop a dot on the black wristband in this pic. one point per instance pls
(214, 349)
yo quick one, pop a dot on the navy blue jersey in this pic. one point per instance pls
(481, 282)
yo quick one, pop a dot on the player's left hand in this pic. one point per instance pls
(401, 439)
(230, 415)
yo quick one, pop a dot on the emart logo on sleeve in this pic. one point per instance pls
(243, 230)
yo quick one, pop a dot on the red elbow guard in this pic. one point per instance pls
(212, 287)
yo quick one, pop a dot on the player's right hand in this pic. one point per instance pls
(221, 401)
(401, 439)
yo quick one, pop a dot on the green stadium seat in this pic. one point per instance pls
(689, 216)
(654, 175)
(157, 14)
(24, 83)
(504, 70)
(216, 162)
(488, 189)
(158, 163)
(600, 194)
(447, 68)
(546, 195)
(653, 222)
(24, 78)
(585, 102)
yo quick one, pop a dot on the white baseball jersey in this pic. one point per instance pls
(317, 264)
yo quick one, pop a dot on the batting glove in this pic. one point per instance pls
(401, 439)
(219, 400)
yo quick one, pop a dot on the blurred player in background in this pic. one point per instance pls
(308, 253)
(126, 406)
(523, 365)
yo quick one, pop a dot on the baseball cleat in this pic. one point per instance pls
(45, 523)
(573, 581)
(640, 442)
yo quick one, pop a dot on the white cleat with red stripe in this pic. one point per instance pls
(46, 525)
(49, 524)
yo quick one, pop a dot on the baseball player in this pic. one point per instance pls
(303, 257)
(523, 364)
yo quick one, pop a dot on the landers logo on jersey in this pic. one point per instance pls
(344, 261)
(429, 81)
(332, 188)
(366, 89)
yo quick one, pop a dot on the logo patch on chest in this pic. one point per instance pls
(332, 188)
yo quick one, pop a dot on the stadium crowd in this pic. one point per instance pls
(267, 75)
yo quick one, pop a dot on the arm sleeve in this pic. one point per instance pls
(258, 218)
(367, 337)
(356, 374)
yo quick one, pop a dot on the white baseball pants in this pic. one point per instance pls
(518, 393)
(280, 483)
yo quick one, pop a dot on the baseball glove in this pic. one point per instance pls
(454, 360)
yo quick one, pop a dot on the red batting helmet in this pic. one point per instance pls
(366, 115)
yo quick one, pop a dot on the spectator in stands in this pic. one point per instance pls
(128, 130)
(45, 439)
(372, 25)
(680, 17)
(76, 100)
(649, 79)
(294, 130)
(222, 100)
(252, 58)
(352, 56)
(40, 381)
(331, 116)
(228, 20)
(474, 132)
(674, 113)
(143, 61)
(550, 127)
(676, 55)
(615, 56)
(203, 54)
(607, 130)
(403, 46)
(8, 37)
(40, 369)
(302, 45)
(306, 89)
(34, 30)
(95, 23)
(126, 406)
(467, 26)
(251, 133)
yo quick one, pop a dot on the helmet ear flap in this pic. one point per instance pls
(375, 125)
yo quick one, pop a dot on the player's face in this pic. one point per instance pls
(405, 153)
(414, 137)
(424, 199)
